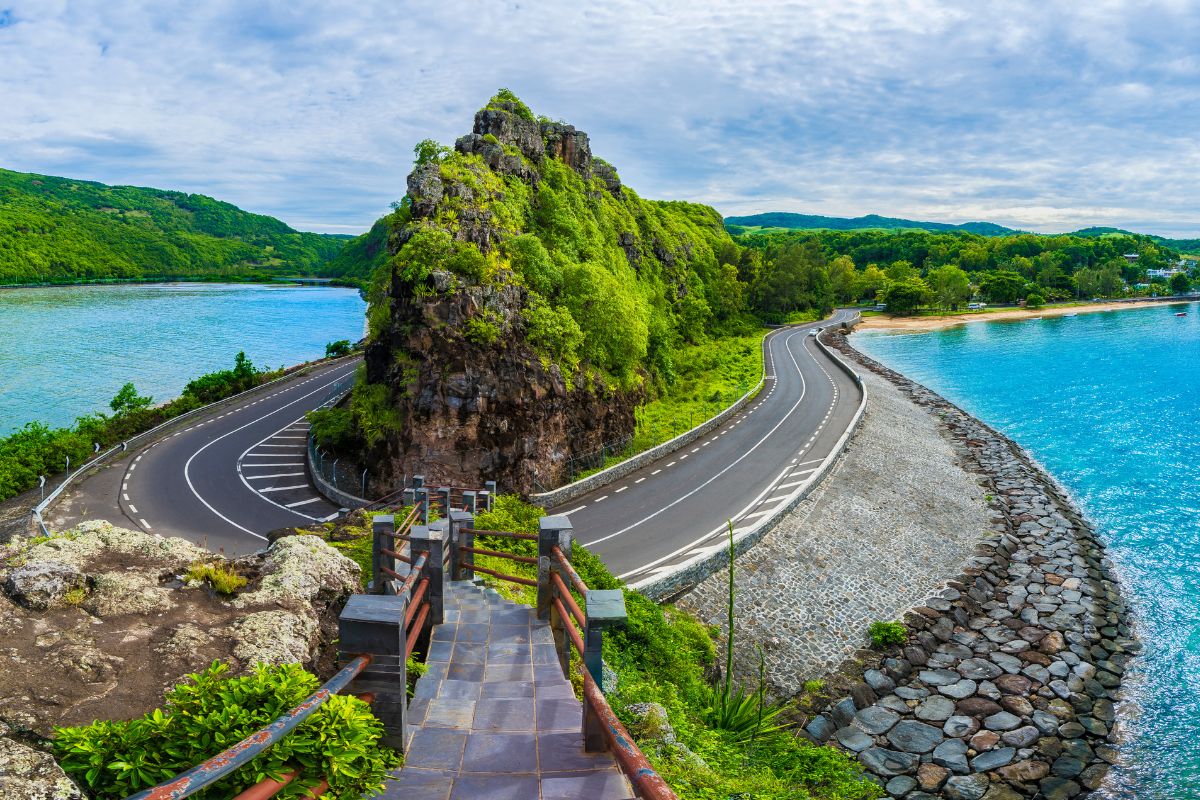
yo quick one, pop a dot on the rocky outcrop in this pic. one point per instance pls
(27, 773)
(96, 622)
(1008, 683)
(478, 403)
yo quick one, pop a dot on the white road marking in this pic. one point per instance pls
(273, 463)
(132, 507)
(126, 496)
(618, 491)
(304, 502)
(732, 464)
(656, 472)
(275, 475)
(598, 499)
(573, 510)
(145, 524)
(639, 480)
(282, 488)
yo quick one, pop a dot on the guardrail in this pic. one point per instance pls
(228, 761)
(50, 499)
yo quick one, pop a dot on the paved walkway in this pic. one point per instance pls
(494, 718)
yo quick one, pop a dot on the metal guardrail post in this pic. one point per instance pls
(462, 565)
(604, 608)
(380, 525)
(431, 539)
(374, 625)
(553, 531)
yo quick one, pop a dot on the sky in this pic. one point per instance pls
(1038, 114)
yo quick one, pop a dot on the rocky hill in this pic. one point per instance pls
(531, 301)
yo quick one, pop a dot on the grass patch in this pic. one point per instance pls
(885, 634)
(223, 578)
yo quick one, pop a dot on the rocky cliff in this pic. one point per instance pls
(530, 303)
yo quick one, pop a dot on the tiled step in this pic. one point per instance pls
(494, 718)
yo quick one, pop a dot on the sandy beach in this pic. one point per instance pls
(946, 320)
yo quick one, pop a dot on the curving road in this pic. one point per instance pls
(670, 511)
(226, 479)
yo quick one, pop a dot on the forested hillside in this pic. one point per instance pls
(908, 270)
(787, 220)
(61, 230)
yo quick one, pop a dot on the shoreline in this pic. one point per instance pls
(169, 279)
(918, 324)
(1026, 649)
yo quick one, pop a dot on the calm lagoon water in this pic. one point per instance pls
(65, 351)
(1110, 404)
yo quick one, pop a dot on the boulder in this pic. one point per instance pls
(40, 584)
(274, 637)
(302, 573)
(30, 774)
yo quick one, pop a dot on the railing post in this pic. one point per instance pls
(374, 626)
(409, 497)
(432, 540)
(553, 531)
(423, 501)
(458, 559)
(380, 525)
(490, 488)
(469, 501)
(418, 481)
(604, 608)
(444, 499)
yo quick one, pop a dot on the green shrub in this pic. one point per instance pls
(339, 348)
(885, 634)
(481, 331)
(333, 428)
(212, 711)
(223, 578)
(1034, 300)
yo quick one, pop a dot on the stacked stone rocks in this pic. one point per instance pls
(1006, 686)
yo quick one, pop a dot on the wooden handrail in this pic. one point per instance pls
(563, 562)
(498, 554)
(569, 601)
(397, 556)
(503, 577)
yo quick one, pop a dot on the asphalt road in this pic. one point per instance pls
(669, 511)
(227, 479)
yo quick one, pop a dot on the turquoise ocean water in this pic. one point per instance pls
(1110, 404)
(65, 351)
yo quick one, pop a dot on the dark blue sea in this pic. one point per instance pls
(1109, 403)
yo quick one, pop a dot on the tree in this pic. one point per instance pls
(127, 400)
(905, 297)
(1002, 286)
(1034, 300)
(1180, 283)
(950, 286)
(339, 348)
(843, 277)
(900, 271)
(871, 281)
(727, 295)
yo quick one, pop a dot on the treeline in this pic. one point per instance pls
(783, 270)
(57, 230)
(38, 449)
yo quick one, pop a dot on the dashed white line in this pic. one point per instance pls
(574, 510)
(275, 475)
(656, 472)
(145, 524)
(283, 489)
(132, 507)
(618, 491)
(639, 480)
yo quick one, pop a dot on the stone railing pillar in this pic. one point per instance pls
(490, 488)
(553, 531)
(431, 539)
(380, 525)
(374, 625)
(462, 565)
(604, 608)
(469, 501)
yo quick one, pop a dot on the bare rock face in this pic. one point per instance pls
(31, 774)
(303, 573)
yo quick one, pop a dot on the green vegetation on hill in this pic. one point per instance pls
(910, 270)
(59, 230)
(786, 220)
(361, 256)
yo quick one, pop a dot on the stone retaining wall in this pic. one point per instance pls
(1006, 687)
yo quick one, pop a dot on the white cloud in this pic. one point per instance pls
(1040, 115)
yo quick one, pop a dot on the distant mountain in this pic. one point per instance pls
(63, 230)
(782, 219)
(361, 254)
